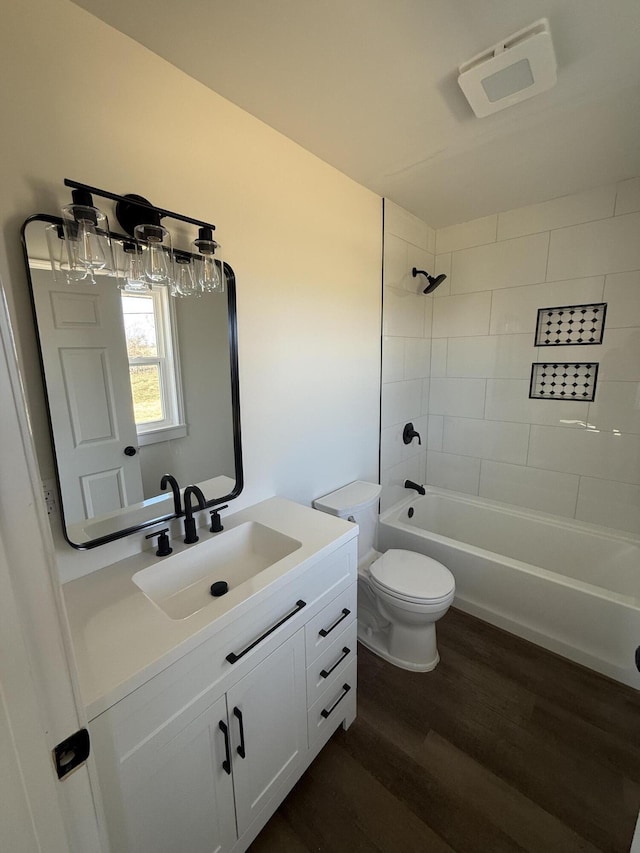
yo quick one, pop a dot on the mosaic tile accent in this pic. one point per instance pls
(569, 325)
(563, 381)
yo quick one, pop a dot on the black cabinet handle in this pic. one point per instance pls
(240, 750)
(324, 632)
(325, 673)
(325, 713)
(232, 657)
(226, 764)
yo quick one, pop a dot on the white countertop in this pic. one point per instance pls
(121, 638)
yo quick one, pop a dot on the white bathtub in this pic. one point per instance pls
(571, 587)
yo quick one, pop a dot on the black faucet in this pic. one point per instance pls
(190, 534)
(408, 484)
(409, 433)
(175, 488)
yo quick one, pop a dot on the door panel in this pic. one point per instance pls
(271, 702)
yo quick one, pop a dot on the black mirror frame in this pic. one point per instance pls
(234, 377)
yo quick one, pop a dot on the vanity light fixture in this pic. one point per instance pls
(146, 255)
(87, 238)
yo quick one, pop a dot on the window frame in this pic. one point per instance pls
(173, 424)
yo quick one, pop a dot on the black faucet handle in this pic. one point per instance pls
(164, 546)
(216, 524)
(409, 433)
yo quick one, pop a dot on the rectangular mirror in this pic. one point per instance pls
(138, 385)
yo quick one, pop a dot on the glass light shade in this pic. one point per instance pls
(157, 259)
(87, 241)
(132, 273)
(185, 283)
(209, 264)
(58, 257)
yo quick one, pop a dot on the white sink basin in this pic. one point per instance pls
(180, 584)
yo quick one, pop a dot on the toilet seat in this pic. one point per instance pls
(412, 577)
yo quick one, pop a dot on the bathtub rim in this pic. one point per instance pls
(391, 517)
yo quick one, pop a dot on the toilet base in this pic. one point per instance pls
(376, 642)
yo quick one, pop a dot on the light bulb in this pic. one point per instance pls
(185, 284)
(86, 231)
(62, 274)
(157, 263)
(133, 276)
(210, 268)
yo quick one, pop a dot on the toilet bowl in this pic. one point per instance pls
(401, 594)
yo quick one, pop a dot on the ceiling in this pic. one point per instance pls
(370, 86)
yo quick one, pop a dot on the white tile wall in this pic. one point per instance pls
(516, 309)
(607, 246)
(502, 356)
(557, 213)
(548, 491)
(622, 295)
(508, 400)
(483, 434)
(510, 263)
(450, 471)
(504, 442)
(587, 452)
(462, 397)
(461, 315)
(609, 503)
(628, 196)
(467, 234)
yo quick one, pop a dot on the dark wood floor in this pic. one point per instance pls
(504, 747)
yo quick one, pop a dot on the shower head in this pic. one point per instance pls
(434, 280)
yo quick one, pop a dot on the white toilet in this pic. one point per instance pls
(401, 594)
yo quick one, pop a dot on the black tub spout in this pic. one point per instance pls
(409, 484)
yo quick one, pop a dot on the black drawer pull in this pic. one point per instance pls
(240, 749)
(325, 713)
(232, 657)
(324, 632)
(325, 673)
(226, 764)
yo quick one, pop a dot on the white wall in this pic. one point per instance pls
(81, 100)
(486, 436)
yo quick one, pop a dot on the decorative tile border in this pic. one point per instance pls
(563, 381)
(571, 325)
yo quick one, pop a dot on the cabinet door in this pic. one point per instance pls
(268, 718)
(175, 793)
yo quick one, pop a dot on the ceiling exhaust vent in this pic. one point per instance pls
(511, 71)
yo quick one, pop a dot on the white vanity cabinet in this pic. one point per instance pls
(198, 758)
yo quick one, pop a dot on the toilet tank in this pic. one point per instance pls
(357, 502)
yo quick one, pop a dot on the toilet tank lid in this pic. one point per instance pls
(349, 498)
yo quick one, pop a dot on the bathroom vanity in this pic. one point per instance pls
(204, 711)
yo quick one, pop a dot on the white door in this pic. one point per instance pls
(172, 789)
(39, 709)
(87, 372)
(268, 720)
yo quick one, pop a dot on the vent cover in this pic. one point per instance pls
(517, 68)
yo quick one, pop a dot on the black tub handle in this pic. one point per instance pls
(232, 657)
(226, 764)
(324, 632)
(325, 673)
(325, 713)
(240, 749)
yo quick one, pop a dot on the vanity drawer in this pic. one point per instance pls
(322, 629)
(332, 663)
(204, 673)
(336, 704)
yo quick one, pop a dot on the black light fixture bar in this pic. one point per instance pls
(139, 203)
